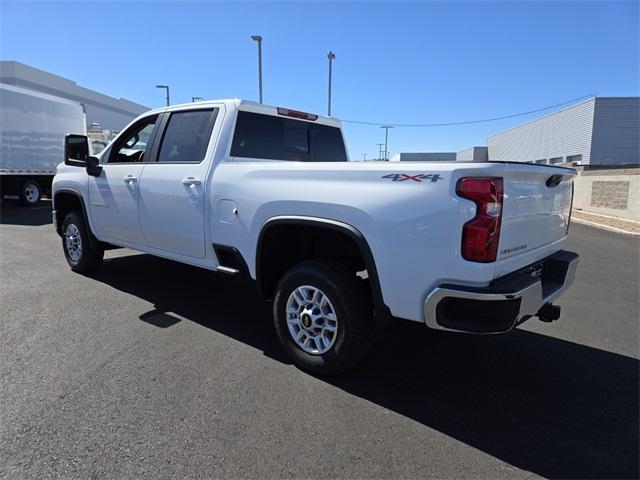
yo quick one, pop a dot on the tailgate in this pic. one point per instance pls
(535, 215)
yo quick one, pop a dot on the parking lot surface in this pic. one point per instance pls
(153, 369)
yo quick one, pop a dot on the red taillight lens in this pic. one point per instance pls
(287, 112)
(481, 234)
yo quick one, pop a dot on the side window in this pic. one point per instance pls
(187, 136)
(257, 136)
(135, 143)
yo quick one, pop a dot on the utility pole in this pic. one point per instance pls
(331, 56)
(258, 38)
(364, 157)
(166, 87)
(379, 150)
(386, 141)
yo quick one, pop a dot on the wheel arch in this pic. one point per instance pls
(267, 281)
(65, 201)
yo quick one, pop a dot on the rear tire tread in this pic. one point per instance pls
(350, 297)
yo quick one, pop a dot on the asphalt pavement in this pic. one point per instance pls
(153, 369)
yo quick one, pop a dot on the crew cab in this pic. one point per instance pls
(339, 247)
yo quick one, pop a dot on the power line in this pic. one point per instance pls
(484, 120)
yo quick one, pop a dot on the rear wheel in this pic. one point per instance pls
(30, 193)
(322, 317)
(80, 255)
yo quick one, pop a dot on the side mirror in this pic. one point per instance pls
(76, 154)
(93, 166)
(76, 150)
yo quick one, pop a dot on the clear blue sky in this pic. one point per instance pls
(396, 62)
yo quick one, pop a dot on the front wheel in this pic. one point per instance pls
(80, 255)
(322, 317)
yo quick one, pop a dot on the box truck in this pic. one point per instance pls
(32, 130)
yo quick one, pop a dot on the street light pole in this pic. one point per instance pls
(364, 157)
(258, 38)
(386, 141)
(331, 56)
(166, 87)
(379, 150)
(193, 99)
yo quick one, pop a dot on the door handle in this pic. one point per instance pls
(130, 178)
(190, 181)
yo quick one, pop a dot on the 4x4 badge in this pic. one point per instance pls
(401, 177)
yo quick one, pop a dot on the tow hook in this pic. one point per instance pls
(549, 312)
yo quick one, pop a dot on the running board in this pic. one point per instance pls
(230, 256)
(228, 270)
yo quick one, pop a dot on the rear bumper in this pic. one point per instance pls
(506, 302)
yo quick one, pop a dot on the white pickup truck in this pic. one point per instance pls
(268, 194)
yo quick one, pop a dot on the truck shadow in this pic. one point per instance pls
(549, 406)
(16, 214)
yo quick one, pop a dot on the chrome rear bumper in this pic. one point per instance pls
(506, 302)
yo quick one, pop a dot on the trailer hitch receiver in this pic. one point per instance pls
(549, 312)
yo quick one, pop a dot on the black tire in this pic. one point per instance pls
(30, 193)
(89, 258)
(350, 301)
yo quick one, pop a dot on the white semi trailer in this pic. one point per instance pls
(32, 130)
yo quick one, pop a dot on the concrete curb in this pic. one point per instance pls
(611, 217)
(605, 227)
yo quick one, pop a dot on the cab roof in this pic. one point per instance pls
(249, 106)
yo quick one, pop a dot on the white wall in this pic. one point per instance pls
(423, 157)
(473, 154)
(616, 192)
(561, 134)
(111, 113)
(465, 155)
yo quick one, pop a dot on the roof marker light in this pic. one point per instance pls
(297, 114)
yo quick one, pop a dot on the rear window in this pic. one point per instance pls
(267, 136)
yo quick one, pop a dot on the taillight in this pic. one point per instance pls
(481, 234)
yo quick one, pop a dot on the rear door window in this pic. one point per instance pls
(187, 136)
(257, 136)
(277, 138)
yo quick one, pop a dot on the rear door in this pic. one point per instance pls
(173, 188)
(535, 215)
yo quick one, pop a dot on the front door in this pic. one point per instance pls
(114, 195)
(172, 189)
